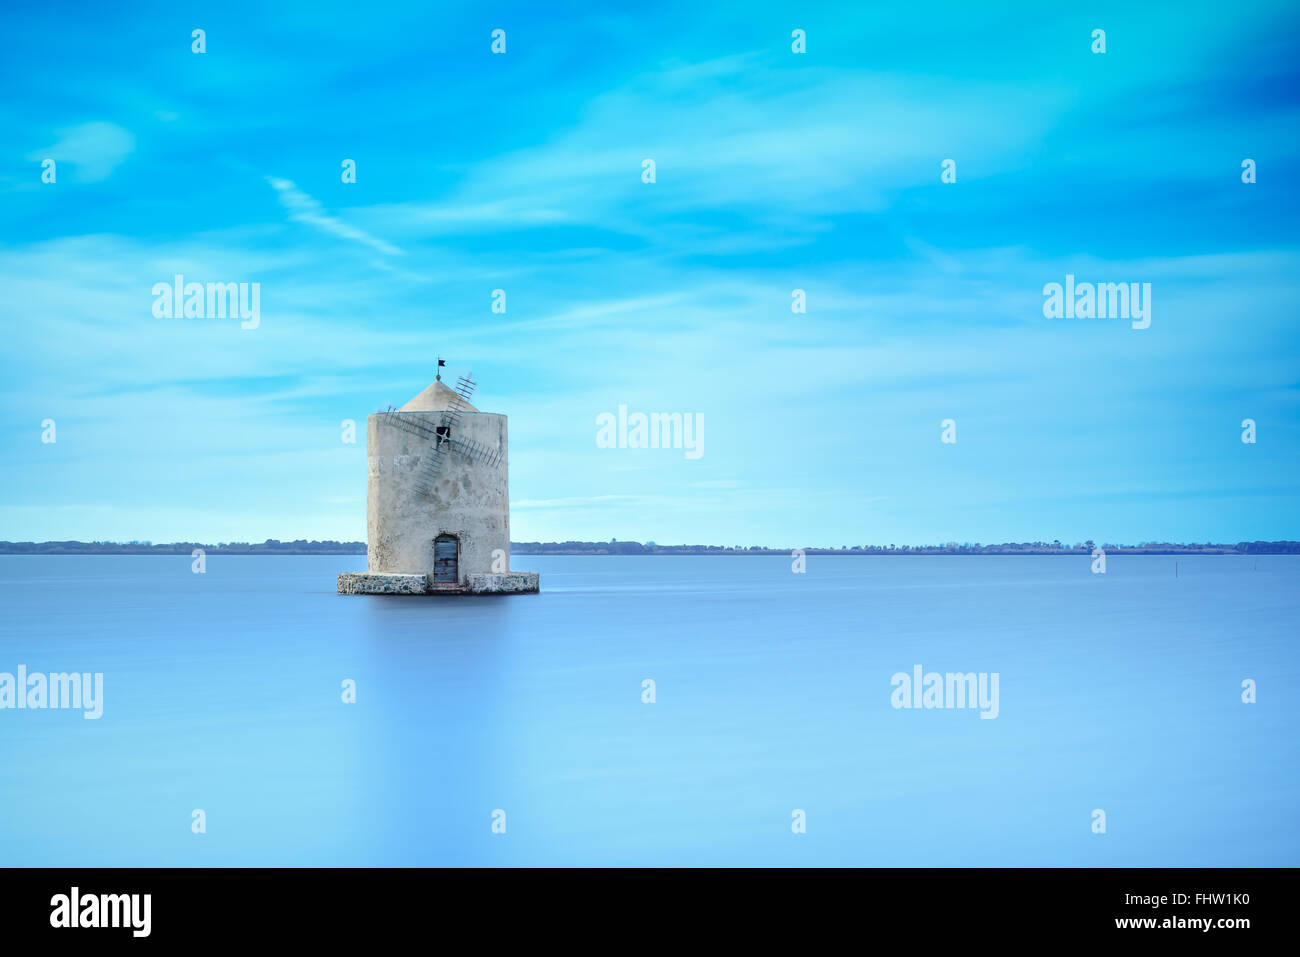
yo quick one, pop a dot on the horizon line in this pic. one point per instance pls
(617, 546)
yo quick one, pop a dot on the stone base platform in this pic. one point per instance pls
(379, 583)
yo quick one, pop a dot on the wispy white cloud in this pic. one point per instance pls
(733, 134)
(92, 150)
(307, 209)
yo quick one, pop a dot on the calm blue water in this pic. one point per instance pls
(222, 692)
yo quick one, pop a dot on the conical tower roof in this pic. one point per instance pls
(437, 398)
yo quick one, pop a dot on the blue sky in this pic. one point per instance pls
(775, 171)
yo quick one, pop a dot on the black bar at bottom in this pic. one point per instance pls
(334, 906)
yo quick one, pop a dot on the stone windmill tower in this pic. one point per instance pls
(438, 500)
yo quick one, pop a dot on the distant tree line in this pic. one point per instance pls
(269, 547)
(951, 548)
(303, 547)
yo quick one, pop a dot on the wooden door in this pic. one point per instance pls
(445, 548)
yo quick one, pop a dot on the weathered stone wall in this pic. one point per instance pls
(363, 583)
(375, 583)
(471, 500)
(512, 583)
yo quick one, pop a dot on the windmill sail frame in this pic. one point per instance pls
(444, 436)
